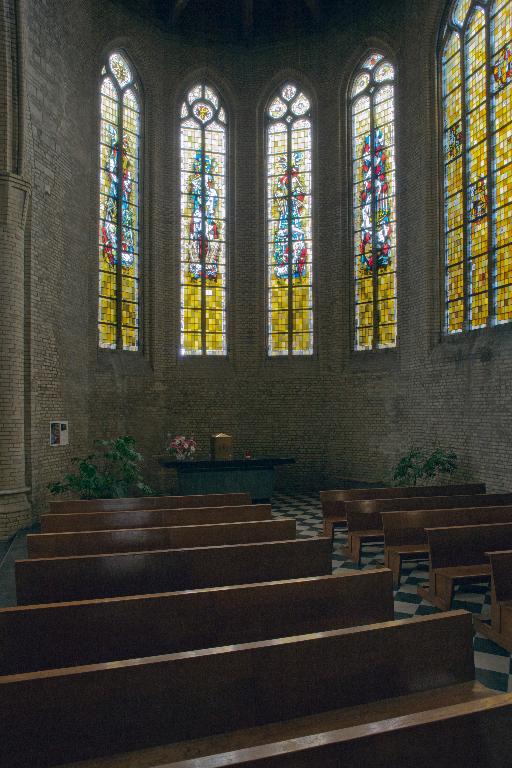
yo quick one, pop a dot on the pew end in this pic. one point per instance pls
(460, 554)
(499, 630)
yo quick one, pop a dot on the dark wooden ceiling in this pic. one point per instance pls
(240, 20)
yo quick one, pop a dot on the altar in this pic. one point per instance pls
(253, 476)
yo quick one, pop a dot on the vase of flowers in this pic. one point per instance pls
(182, 448)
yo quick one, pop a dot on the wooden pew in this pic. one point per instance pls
(70, 506)
(500, 628)
(405, 537)
(51, 717)
(147, 539)
(70, 634)
(444, 737)
(364, 517)
(333, 502)
(153, 518)
(89, 577)
(458, 555)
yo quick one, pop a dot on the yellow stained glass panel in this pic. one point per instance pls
(504, 266)
(454, 246)
(455, 316)
(203, 223)
(479, 310)
(460, 10)
(455, 282)
(504, 304)
(374, 216)
(119, 240)
(289, 217)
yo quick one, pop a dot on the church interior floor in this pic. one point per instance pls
(493, 664)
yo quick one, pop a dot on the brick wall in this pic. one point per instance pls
(342, 415)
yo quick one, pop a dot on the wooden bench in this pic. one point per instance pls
(405, 537)
(500, 628)
(138, 573)
(458, 555)
(364, 517)
(147, 539)
(153, 518)
(69, 634)
(442, 737)
(270, 690)
(70, 506)
(333, 502)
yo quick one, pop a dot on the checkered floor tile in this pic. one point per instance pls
(493, 664)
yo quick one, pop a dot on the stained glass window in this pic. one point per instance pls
(374, 210)
(119, 209)
(289, 231)
(476, 61)
(203, 223)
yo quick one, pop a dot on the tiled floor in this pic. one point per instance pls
(493, 664)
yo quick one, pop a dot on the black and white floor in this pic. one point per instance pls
(493, 664)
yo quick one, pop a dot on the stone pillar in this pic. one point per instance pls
(15, 510)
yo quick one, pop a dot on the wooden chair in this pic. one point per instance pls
(364, 517)
(153, 518)
(147, 539)
(216, 700)
(333, 502)
(70, 506)
(88, 577)
(500, 628)
(363, 528)
(405, 537)
(93, 631)
(458, 555)
(444, 737)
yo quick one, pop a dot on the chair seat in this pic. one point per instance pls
(462, 572)
(408, 549)
(368, 535)
(292, 729)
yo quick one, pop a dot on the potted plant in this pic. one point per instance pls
(419, 464)
(114, 472)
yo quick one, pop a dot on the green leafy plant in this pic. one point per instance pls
(418, 464)
(114, 472)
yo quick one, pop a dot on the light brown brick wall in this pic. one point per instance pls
(342, 415)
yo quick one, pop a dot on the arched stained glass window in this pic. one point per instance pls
(289, 211)
(203, 223)
(119, 226)
(476, 61)
(374, 213)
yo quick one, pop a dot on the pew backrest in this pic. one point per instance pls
(71, 634)
(56, 716)
(443, 737)
(466, 545)
(333, 501)
(69, 506)
(501, 570)
(147, 539)
(153, 518)
(408, 527)
(373, 508)
(88, 577)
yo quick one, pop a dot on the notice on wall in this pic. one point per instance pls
(59, 433)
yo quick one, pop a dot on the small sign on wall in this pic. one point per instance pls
(59, 433)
